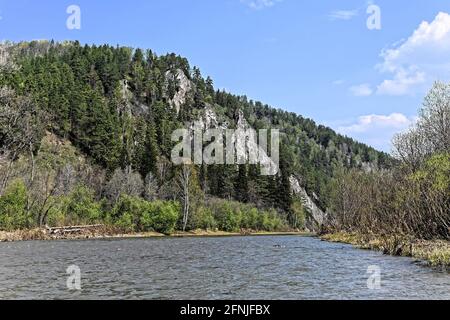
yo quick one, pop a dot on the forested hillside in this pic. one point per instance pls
(85, 136)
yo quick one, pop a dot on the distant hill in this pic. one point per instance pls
(118, 106)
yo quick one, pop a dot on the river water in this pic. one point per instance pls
(288, 267)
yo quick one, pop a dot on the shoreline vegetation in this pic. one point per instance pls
(404, 211)
(104, 232)
(436, 253)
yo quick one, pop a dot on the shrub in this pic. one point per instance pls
(250, 218)
(13, 213)
(274, 221)
(298, 214)
(125, 222)
(203, 218)
(232, 216)
(57, 212)
(226, 216)
(265, 222)
(81, 206)
(136, 214)
(127, 213)
(162, 216)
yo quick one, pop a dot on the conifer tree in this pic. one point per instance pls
(241, 185)
(151, 153)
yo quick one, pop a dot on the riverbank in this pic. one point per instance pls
(436, 252)
(108, 233)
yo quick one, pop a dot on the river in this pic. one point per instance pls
(266, 267)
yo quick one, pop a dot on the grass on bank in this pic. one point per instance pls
(434, 252)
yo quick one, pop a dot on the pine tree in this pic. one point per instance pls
(137, 73)
(272, 189)
(100, 136)
(284, 191)
(203, 178)
(257, 186)
(241, 185)
(151, 153)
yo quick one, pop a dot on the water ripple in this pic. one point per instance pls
(211, 268)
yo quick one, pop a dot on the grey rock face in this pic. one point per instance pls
(207, 120)
(6, 62)
(184, 86)
(316, 217)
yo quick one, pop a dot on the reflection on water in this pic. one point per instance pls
(211, 268)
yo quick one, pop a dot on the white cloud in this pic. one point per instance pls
(377, 130)
(419, 60)
(366, 123)
(402, 82)
(343, 14)
(338, 82)
(362, 90)
(260, 4)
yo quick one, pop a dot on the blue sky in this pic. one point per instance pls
(316, 58)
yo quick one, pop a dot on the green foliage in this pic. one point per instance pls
(435, 171)
(56, 213)
(125, 222)
(13, 213)
(163, 216)
(136, 214)
(203, 218)
(227, 215)
(298, 214)
(127, 213)
(81, 207)
(241, 185)
(233, 216)
(251, 219)
(270, 221)
(149, 158)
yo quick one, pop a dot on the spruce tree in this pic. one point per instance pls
(151, 153)
(241, 185)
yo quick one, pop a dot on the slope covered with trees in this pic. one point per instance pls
(85, 136)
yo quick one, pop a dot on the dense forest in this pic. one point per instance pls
(85, 137)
